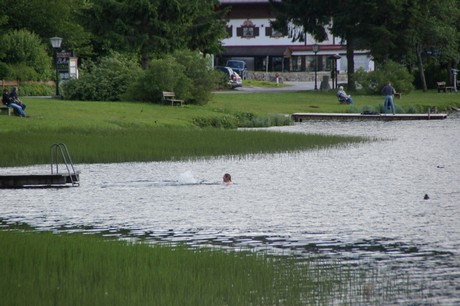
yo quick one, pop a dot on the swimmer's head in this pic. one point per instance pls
(227, 178)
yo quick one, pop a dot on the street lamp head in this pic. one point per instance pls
(56, 42)
(315, 48)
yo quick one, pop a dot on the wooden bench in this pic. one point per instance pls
(170, 97)
(442, 87)
(5, 110)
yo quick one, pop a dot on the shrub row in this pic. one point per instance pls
(119, 77)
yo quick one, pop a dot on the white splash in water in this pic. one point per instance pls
(187, 178)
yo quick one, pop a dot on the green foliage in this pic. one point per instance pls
(26, 55)
(186, 73)
(29, 89)
(48, 19)
(78, 269)
(264, 121)
(21, 72)
(216, 122)
(164, 74)
(156, 27)
(397, 74)
(106, 81)
(4, 71)
(199, 72)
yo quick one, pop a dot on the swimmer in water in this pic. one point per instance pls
(227, 179)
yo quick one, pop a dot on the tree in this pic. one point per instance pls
(157, 27)
(347, 19)
(25, 52)
(48, 18)
(432, 25)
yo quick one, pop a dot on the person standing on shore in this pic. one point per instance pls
(388, 91)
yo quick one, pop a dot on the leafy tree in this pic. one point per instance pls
(48, 18)
(347, 19)
(155, 27)
(26, 52)
(432, 25)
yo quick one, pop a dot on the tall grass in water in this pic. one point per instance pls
(47, 269)
(87, 145)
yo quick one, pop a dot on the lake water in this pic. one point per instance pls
(360, 204)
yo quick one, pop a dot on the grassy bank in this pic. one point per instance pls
(47, 269)
(122, 132)
(326, 102)
(126, 131)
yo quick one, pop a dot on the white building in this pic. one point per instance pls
(252, 39)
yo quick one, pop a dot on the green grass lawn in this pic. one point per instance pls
(326, 102)
(128, 131)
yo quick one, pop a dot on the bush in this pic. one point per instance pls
(26, 54)
(106, 81)
(199, 71)
(163, 75)
(186, 73)
(27, 89)
(226, 122)
(374, 81)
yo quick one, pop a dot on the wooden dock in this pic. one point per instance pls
(69, 177)
(39, 180)
(299, 117)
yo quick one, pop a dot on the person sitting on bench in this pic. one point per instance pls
(343, 97)
(8, 102)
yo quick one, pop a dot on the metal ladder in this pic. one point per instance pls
(66, 160)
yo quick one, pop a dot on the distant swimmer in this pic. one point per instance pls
(227, 179)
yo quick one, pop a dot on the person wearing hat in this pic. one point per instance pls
(343, 97)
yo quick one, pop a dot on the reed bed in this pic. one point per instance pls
(88, 145)
(48, 269)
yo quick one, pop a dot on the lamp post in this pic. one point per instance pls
(56, 43)
(315, 49)
(334, 74)
(454, 73)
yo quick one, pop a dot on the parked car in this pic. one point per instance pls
(234, 80)
(239, 67)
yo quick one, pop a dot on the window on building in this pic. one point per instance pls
(277, 63)
(229, 30)
(247, 30)
(271, 32)
(296, 63)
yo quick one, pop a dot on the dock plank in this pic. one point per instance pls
(34, 180)
(299, 117)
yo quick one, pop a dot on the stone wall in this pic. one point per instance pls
(293, 76)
